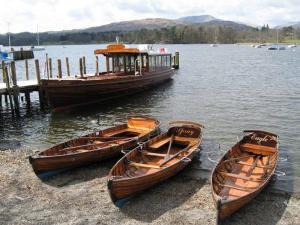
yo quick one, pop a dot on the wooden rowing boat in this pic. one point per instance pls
(154, 161)
(244, 171)
(94, 147)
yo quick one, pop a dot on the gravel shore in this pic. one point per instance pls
(80, 197)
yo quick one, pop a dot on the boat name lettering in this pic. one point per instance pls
(259, 139)
(181, 131)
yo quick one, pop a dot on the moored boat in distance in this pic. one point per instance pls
(95, 147)
(244, 171)
(128, 71)
(276, 47)
(37, 48)
(155, 161)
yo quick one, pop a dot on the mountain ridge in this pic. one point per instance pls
(159, 23)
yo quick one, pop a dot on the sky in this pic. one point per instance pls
(55, 15)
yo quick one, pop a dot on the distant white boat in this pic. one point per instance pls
(292, 46)
(37, 48)
(276, 47)
(213, 45)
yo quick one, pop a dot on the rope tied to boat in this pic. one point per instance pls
(279, 173)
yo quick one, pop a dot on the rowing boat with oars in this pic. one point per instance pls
(244, 171)
(128, 71)
(154, 161)
(104, 144)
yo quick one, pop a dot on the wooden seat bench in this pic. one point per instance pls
(144, 165)
(237, 176)
(258, 149)
(258, 166)
(160, 143)
(154, 154)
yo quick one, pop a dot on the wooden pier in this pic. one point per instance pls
(11, 89)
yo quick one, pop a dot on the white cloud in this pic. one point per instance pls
(24, 15)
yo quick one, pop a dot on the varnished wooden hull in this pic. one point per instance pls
(50, 161)
(65, 94)
(47, 165)
(235, 185)
(122, 187)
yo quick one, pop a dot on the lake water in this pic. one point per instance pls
(228, 88)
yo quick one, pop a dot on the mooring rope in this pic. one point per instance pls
(279, 173)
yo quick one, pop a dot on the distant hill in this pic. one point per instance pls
(197, 19)
(158, 23)
(150, 23)
(223, 23)
(190, 29)
(295, 25)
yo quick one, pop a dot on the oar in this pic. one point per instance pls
(174, 156)
(169, 149)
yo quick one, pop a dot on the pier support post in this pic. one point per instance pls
(15, 86)
(47, 65)
(68, 66)
(97, 66)
(27, 98)
(176, 61)
(50, 67)
(84, 65)
(80, 68)
(6, 78)
(38, 77)
(59, 68)
(107, 64)
(26, 70)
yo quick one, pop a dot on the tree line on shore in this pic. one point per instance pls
(172, 35)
